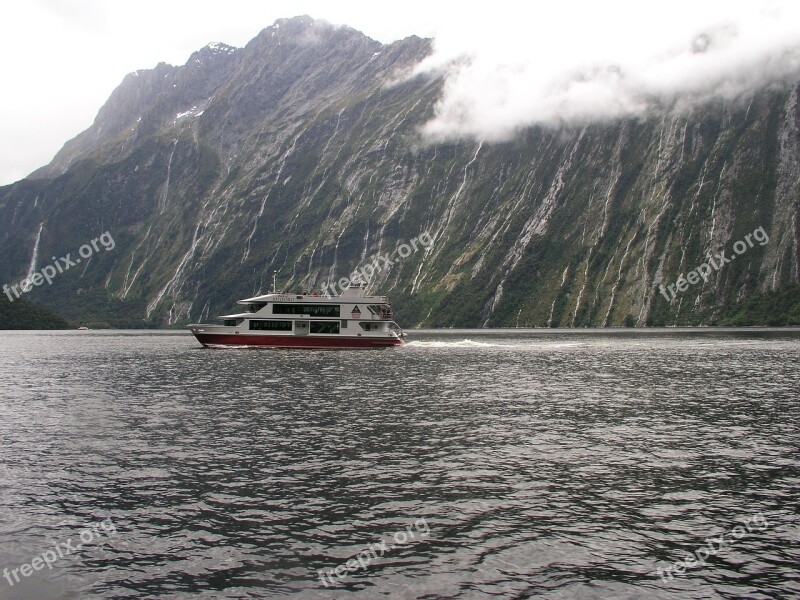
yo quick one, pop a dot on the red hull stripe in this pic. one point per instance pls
(286, 341)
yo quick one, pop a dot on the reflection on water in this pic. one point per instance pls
(549, 464)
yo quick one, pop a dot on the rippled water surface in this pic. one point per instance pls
(523, 464)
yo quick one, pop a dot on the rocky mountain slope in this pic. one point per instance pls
(301, 153)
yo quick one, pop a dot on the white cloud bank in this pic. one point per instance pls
(578, 62)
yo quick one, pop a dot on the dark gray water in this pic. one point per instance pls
(474, 464)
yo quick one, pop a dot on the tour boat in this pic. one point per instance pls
(279, 320)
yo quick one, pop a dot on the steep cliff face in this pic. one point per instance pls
(301, 153)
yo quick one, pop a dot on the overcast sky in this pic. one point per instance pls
(527, 62)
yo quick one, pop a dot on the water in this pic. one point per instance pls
(475, 464)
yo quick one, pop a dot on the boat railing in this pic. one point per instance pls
(383, 315)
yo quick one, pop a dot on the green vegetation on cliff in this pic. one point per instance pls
(776, 308)
(22, 314)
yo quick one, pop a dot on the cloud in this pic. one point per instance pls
(576, 62)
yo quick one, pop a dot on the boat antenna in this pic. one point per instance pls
(274, 282)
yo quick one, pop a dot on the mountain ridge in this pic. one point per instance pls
(301, 152)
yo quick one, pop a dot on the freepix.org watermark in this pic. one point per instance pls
(420, 530)
(48, 272)
(715, 545)
(378, 262)
(704, 271)
(48, 558)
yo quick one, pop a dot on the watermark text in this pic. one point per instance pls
(420, 530)
(714, 546)
(377, 263)
(716, 262)
(59, 265)
(60, 550)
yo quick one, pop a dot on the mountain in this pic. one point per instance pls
(21, 314)
(301, 153)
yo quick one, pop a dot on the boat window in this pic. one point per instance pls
(314, 310)
(324, 326)
(257, 306)
(232, 322)
(264, 325)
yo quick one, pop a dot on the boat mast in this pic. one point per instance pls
(274, 282)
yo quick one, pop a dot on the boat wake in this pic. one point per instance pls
(533, 345)
(460, 344)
